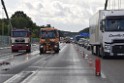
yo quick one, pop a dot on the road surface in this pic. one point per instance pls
(73, 64)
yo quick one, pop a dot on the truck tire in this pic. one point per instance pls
(41, 51)
(92, 50)
(57, 51)
(102, 53)
(14, 50)
(97, 50)
(28, 50)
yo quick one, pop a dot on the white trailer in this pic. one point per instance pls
(107, 33)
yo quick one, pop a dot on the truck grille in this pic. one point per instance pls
(20, 41)
(118, 49)
(118, 41)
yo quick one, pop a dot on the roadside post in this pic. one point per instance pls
(97, 67)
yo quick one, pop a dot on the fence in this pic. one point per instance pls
(5, 40)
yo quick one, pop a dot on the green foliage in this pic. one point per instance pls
(48, 25)
(3, 27)
(21, 20)
(67, 33)
(71, 34)
(86, 30)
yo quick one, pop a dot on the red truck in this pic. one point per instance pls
(20, 40)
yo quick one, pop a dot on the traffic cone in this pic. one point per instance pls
(97, 67)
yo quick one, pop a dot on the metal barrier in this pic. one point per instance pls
(5, 40)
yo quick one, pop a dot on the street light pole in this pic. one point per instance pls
(9, 21)
(2, 36)
(106, 4)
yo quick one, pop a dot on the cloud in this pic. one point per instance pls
(39, 6)
(68, 15)
(29, 6)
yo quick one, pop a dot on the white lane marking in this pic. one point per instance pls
(34, 52)
(17, 76)
(7, 74)
(63, 48)
(12, 78)
(86, 56)
(29, 77)
(52, 68)
(103, 75)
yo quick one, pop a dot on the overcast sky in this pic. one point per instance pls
(68, 15)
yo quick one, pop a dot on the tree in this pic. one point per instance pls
(3, 27)
(48, 25)
(86, 30)
(20, 20)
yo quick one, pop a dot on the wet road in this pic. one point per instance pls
(65, 67)
(68, 66)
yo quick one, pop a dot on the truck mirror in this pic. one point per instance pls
(102, 28)
(102, 25)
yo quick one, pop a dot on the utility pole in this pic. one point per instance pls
(106, 4)
(9, 21)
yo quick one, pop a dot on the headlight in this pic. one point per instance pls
(12, 45)
(26, 45)
(107, 47)
(55, 46)
(41, 46)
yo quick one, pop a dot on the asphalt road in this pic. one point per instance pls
(68, 66)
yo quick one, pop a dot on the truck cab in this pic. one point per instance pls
(107, 33)
(49, 40)
(20, 40)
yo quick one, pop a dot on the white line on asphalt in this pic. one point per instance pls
(12, 78)
(103, 75)
(7, 74)
(28, 78)
(63, 48)
(18, 76)
(34, 52)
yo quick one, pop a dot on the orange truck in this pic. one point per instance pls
(49, 40)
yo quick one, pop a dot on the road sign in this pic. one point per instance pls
(84, 34)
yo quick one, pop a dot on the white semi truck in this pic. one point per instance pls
(107, 33)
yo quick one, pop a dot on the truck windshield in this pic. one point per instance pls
(47, 34)
(115, 25)
(19, 33)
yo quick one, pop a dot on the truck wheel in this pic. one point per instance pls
(97, 50)
(41, 51)
(92, 50)
(14, 50)
(28, 50)
(102, 53)
(57, 51)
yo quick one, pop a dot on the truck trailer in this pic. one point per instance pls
(107, 33)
